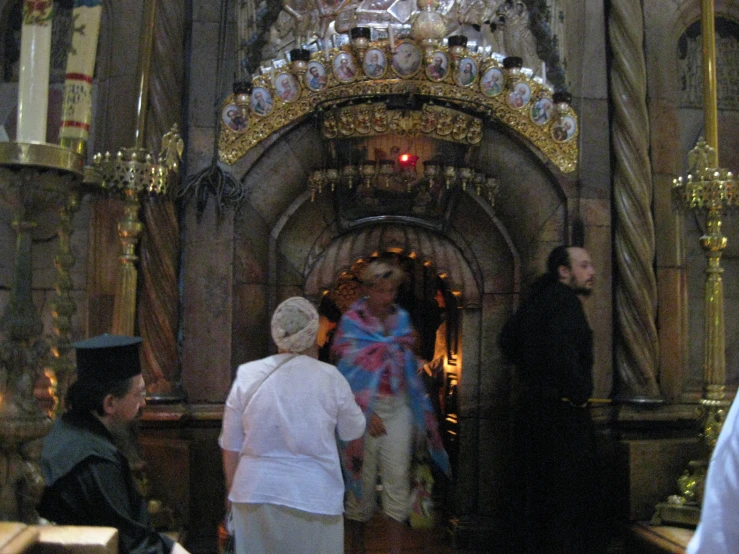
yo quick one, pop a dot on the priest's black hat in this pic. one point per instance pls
(108, 358)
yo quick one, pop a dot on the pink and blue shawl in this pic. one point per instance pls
(363, 348)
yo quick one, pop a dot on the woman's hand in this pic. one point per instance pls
(375, 426)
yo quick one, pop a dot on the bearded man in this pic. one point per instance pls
(88, 477)
(556, 491)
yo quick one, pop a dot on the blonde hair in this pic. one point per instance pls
(379, 270)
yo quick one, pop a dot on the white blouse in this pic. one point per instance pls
(286, 433)
(718, 530)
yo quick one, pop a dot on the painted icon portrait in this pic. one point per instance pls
(542, 110)
(492, 81)
(375, 63)
(466, 72)
(407, 59)
(519, 96)
(439, 66)
(315, 76)
(344, 68)
(261, 101)
(564, 129)
(287, 87)
(234, 119)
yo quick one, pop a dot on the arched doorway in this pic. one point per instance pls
(288, 241)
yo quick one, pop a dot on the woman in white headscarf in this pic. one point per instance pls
(278, 441)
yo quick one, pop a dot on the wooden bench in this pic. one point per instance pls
(18, 538)
(644, 538)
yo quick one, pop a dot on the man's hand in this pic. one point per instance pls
(375, 426)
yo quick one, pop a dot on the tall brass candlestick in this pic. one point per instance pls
(711, 190)
(132, 172)
(717, 185)
(130, 226)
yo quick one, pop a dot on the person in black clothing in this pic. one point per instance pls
(88, 478)
(556, 489)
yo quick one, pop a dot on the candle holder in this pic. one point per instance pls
(512, 68)
(316, 181)
(450, 175)
(457, 49)
(479, 182)
(428, 27)
(332, 177)
(398, 174)
(466, 174)
(350, 172)
(492, 187)
(360, 41)
(130, 173)
(242, 91)
(562, 101)
(33, 177)
(386, 172)
(457, 45)
(299, 58)
(712, 191)
(368, 170)
(431, 172)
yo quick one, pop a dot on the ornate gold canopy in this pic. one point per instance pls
(465, 83)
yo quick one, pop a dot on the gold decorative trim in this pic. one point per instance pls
(367, 120)
(554, 134)
(40, 155)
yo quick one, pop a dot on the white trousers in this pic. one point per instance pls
(388, 456)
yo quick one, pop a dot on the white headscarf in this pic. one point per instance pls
(295, 325)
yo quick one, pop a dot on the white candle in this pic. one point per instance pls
(77, 111)
(325, 46)
(391, 36)
(33, 81)
(544, 73)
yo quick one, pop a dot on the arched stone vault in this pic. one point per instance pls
(323, 265)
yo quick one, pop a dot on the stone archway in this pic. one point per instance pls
(308, 253)
(283, 243)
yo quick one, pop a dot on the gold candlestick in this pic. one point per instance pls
(132, 172)
(711, 190)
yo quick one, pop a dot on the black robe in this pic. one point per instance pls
(556, 488)
(89, 482)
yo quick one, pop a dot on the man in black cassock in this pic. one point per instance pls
(556, 506)
(88, 479)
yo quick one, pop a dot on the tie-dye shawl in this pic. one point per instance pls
(363, 350)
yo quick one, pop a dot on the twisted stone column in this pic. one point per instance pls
(159, 301)
(636, 344)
